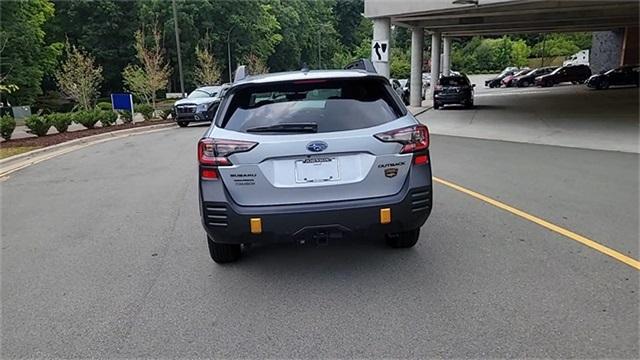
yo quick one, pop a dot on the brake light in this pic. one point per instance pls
(215, 151)
(209, 174)
(412, 138)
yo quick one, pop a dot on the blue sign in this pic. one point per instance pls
(122, 101)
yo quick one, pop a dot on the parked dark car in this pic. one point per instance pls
(576, 74)
(455, 89)
(401, 88)
(624, 75)
(201, 105)
(497, 81)
(508, 80)
(528, 79)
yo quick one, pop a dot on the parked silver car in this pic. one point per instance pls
(312, 156)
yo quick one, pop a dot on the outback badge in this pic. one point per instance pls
(391, 172)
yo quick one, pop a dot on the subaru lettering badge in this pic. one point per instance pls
(317, 146)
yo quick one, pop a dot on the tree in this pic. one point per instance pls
(520, 52)
(255, 65)
(156, 70)
(79, 78)
(25, 57)
(135, 80)
(207, 71)
(103, 28)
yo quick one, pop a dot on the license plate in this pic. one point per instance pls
(317, 169)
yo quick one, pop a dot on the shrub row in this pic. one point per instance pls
(39, 125)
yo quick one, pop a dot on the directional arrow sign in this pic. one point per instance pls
(380, 50)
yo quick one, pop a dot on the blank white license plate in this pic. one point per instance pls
(317, 169)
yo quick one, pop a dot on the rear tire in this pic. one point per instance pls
(223, 253)
(436, 105)
(183, 123)
(525, 84)
(403, 240)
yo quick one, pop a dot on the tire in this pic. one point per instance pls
(224, 253)
(468, 104)
(183, 123)
(404, 239)
(525, 84)
(436, 105)
(604, 85)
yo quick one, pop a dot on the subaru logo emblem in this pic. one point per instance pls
(317, 146)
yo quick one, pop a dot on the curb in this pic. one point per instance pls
(21, 161)
(424, 110)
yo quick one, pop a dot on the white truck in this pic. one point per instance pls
(579, 58)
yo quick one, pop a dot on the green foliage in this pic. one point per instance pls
(7, 125)
(37, 125)
(520, 52)
(108, 117)
(125, 116)
(146, 110)
(104, 105)
(25, 56)
(60, 121)
(400, 64)
(555, 45)
(87, 118)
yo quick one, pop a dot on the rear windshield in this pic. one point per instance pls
(333, 105)
(453, 81)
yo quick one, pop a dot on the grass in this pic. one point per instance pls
(5, 152)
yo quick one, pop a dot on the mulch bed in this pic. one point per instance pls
(53, 139)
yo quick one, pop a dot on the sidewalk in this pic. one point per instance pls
(426, 105)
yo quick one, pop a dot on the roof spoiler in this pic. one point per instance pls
(362, 64)
(241, 73)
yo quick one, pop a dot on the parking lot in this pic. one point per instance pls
(104, 255)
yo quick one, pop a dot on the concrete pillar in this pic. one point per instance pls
(417, 47)
(446, 55)
(382, 31)
(435, 60)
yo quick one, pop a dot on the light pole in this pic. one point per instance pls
(175, 25)
(229, 49)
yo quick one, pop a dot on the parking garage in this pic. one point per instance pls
(567, 115)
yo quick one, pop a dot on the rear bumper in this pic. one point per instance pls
(456, 98)
(230, 223)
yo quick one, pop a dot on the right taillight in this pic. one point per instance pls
(412, 138)
(214, 152)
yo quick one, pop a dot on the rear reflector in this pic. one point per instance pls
(385, 216)
(209, 174)
(421, 159)
(255, 225)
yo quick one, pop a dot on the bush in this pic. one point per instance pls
(125, 116)
(87, 118)
(164, 114)
(38, 125)
(7, 125)
(108, 118)
(146, 110)
(60, 121)
(104, 106)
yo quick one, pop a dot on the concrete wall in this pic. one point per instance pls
(606, 50)
(631, 48)
(379, 8)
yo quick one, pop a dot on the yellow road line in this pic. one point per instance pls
(553, 227)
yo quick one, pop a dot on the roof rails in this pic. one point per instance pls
(241, 74)
(362, 64)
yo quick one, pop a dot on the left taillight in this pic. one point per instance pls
(413, 138)
(214, 152)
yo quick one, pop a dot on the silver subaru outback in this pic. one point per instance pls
(312, 156)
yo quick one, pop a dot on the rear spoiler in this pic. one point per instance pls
(362, 64)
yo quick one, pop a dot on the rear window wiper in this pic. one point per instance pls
(291, 127)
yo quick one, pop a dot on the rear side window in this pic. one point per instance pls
(333, 105)
(453, 81)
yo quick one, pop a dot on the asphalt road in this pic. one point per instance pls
(103, 255)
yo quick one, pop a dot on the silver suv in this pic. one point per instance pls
(312, 156)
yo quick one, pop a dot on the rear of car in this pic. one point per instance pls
(455, 89)
(311, 157)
